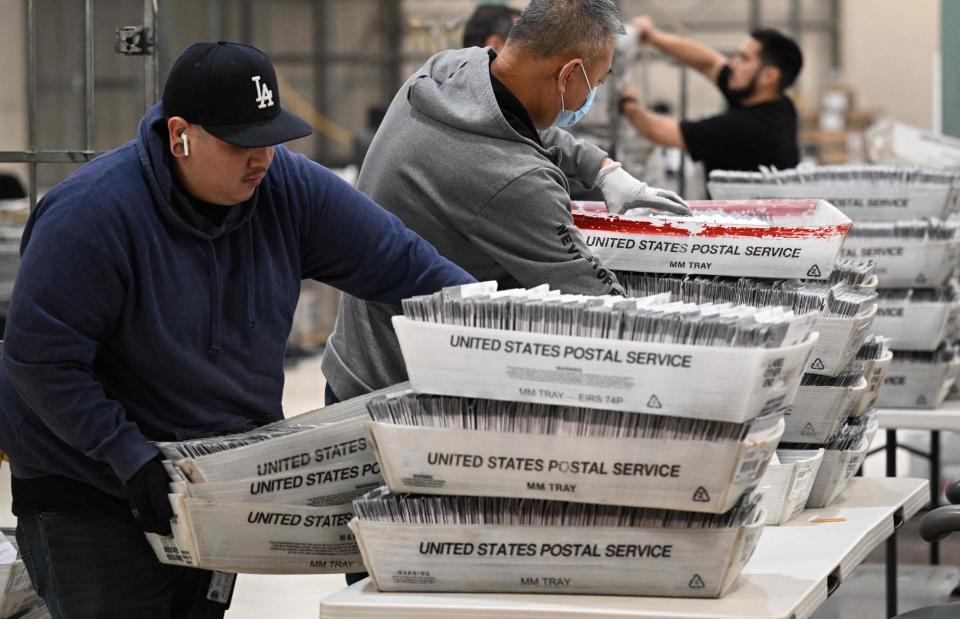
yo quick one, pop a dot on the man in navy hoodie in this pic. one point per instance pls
(153, 303)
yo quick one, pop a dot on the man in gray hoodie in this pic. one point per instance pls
(471, 156)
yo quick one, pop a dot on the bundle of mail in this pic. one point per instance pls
(778, 239)
(842, 458)
(917, 253)
(787, 484)
(846, 308)
(864, 192)
(534, 453)
(827, 433)
(890, 142)
(920, 319)
(484, 544)
(920, 379)
(815, 475)
(467, 446)
(274, 500)
(541, 346)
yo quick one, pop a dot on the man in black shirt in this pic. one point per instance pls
(760, 125)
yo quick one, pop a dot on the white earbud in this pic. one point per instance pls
(186, 144)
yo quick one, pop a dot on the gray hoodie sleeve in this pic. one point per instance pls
(528, 229)
(579, 159)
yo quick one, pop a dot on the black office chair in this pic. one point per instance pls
(934, 526)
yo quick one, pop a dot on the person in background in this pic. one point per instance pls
(472, 155)
(489, 26)
(154, 300)
(759, 127)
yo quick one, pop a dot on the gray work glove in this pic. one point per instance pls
(623, 192)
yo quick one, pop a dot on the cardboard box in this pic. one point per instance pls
(687, 475)
(675, 380)
(802, 240)
(917, 385)
(819, 412)
(786, 486)
(701, 563)
(258, 538)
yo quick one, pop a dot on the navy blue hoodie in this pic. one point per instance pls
(135, 319)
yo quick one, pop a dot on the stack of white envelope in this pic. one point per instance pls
(275, 500)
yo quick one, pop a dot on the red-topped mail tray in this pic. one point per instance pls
(780, 239)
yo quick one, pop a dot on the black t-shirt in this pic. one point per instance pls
(744, 138)
(512, 109)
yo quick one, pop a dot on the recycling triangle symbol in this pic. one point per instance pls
(814, 271)
(921, 279)
(817, 364)
(809, 430)
(922, 401)
(654, 402)
(696, 582)
(701, 495)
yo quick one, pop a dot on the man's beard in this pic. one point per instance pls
(748, 91)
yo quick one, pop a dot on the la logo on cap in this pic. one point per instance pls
(264, 94)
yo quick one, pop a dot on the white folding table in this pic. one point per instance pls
(943, 419)
(793, 570)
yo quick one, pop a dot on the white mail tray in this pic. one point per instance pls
(801, 239)
(786, 486)
(701, 563)
(917, 385)
(686, 475)
(677, 380)
(857, 198)
(916, 325)
(259, 538)
(818, 412)
(906, 262)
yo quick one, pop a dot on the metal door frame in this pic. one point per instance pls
(32, 156)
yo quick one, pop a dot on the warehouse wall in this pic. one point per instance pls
(885, 72)
(950, 52)
(875, 62)
(13, 103)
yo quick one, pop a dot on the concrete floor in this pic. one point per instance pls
(298, 597)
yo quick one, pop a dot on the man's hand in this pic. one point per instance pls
(623, 192)
(148, 490)
(645, 28)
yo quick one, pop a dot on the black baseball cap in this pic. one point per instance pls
(231, 90)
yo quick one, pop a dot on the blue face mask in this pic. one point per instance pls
(567, 118)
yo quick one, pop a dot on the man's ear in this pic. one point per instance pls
(565, 72)
(496, 42)
(175, 127)
(770, 76)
